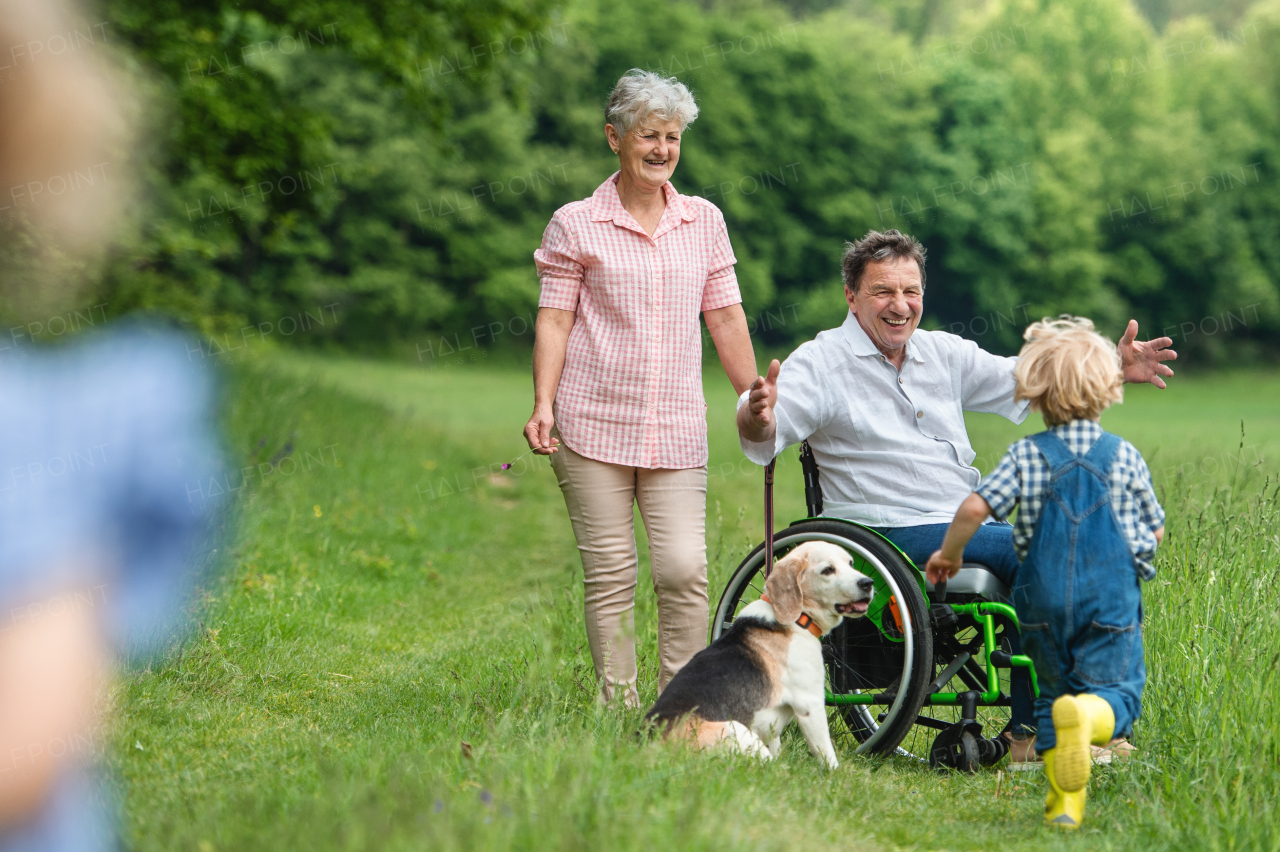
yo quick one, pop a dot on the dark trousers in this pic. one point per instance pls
(992, 547)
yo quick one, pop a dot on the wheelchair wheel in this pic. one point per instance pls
(871, 656)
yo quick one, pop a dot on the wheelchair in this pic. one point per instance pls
(925, 673)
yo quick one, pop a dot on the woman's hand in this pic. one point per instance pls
(538, 431)
(550, 343)
(941, 568)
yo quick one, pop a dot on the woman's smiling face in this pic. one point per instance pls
(649, 153)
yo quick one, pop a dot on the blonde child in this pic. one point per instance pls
(1088, 525)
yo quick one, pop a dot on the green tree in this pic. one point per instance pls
(400, 163)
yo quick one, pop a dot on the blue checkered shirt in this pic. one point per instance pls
(1022, 477)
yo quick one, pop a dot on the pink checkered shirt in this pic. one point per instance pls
(631, 389)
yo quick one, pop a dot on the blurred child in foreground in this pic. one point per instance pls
(101, 444)
(1087, 528)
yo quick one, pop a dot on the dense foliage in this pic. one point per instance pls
(392, 164)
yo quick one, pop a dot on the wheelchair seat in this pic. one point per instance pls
(976, 581)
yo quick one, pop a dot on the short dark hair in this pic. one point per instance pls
(875, 247)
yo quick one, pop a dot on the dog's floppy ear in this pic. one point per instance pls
(783, 585)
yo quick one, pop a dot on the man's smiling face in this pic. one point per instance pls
(888, 304)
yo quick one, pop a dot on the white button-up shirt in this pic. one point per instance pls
(891, 444)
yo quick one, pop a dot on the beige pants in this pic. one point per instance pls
(673, 504)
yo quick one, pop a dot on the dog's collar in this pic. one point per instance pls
(804, 620)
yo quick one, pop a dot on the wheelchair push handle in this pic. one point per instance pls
(768, 518)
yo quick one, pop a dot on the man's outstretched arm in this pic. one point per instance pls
(1141, 362)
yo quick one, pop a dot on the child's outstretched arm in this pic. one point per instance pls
(972, 512)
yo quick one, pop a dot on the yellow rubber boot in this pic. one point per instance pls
(1061, 809)
(1079, 720)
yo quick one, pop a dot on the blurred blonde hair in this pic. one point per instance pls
(60, 111)
(67, 122)
(1067, 370)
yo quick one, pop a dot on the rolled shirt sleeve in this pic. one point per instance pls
(560, 272)
(722, 282)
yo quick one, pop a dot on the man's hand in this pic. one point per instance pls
(940, 567)
(538, 432)
(755, 419)
(1141, 361)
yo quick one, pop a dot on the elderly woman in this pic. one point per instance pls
(617, 373)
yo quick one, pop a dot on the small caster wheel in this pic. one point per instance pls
(956, 749)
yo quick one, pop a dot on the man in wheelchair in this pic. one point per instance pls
(881, 404)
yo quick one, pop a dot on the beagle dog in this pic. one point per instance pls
(744, 688)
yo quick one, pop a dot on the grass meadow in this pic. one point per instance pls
(392, 654)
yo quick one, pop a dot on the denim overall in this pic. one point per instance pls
(1077, 596)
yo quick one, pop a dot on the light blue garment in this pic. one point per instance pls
(98, 444)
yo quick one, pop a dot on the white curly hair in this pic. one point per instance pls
(640, 94)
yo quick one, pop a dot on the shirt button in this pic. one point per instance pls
(919, 414)
(899, 379)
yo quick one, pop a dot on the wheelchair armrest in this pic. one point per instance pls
(975, 579)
